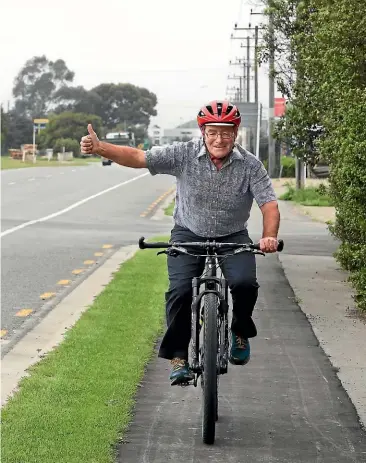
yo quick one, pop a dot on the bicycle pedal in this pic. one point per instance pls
(185, 384)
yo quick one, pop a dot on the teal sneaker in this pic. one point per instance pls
(180, 372)
(240, 350)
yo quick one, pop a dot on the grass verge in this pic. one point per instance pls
(9, 163)
(309, 196)
(77, 401)
(170, 209)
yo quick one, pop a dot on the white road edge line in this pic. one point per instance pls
(69, 208)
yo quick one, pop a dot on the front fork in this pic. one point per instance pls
(195, 366)
(196, 324)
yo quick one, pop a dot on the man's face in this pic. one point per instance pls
(219, 140)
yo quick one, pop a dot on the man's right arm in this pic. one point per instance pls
(123, 155)
(164, 160)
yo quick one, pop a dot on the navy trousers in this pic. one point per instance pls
(240, 272)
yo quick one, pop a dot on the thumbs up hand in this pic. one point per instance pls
(90, 143)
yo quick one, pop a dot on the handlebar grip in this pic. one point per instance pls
(144, 245)
(280, 245)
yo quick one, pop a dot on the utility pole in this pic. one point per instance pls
(248, 68)
(229, 92)
(271, 96)
(256, 65)
(240, 78)
(256, 133)
(299, 173)
(240, 62)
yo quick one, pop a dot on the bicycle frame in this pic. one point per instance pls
(218, 286)
(215, 363)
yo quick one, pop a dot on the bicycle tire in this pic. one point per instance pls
(209, 409)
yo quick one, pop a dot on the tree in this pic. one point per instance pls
(116, 104)
(19, 130)
(76, 99)
(328, 110)
(69, 144)
(125, 102)
(36, 84)
(293, 24)
(4, 128)
(67, 125)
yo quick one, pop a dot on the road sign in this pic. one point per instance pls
(40, 121)
(280, 107)
(39, 124)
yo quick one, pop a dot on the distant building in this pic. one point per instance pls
(184, 132)
(155, 134)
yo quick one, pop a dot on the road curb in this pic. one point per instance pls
(28, 325)
(160, 214)
(50, 331)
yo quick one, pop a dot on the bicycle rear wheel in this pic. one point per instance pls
(209, 376)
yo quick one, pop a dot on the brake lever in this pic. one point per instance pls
(169, 252)
(161, 252)
(247, 249)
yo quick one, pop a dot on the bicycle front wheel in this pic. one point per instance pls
(209, 369)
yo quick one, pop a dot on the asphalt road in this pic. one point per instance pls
(38, 256)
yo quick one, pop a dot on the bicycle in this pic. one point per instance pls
(208, 358)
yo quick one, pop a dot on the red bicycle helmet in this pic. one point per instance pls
(219, 113)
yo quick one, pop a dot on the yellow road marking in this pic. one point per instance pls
(63, 282)
(3, 333)
(23, 313)
(107, 246)
(156, 202)
(77, 271)
(89, 262)
(47, 295)
(98, 254)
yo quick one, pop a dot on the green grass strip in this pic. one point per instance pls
(170, 209)
(309, 196)
(78, 400)
(9, 163)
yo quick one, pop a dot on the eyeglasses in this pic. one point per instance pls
(224, 135)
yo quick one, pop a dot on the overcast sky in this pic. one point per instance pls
(178, 50)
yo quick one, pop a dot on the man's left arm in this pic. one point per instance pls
(265, 196)
(271, 224)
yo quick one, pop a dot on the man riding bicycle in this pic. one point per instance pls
(217, 180)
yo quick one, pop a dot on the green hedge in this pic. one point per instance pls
(68, 143)
(346, 146)
(325, 117)
(288, 167)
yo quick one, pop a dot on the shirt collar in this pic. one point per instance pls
(235, 153)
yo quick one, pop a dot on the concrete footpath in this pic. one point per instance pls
(325, 297)
(289, 404)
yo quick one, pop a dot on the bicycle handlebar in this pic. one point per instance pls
(208, 245)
